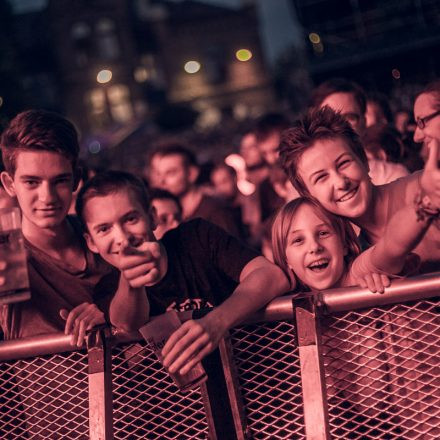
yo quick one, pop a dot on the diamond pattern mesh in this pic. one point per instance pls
(268, 366)
(383, 372)
(44, 398)
(147, 405)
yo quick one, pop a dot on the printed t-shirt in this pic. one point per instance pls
(204, 266)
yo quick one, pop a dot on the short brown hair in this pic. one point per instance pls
(433, 88)
(316, 124)
(39, 130)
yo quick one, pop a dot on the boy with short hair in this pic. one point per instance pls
(194, 266)
(70, 286)
(324, 158)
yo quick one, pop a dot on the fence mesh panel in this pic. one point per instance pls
(383, 372)
(45, 398)
(268, 367)
(147, 405)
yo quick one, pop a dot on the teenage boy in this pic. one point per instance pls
(70, 286)
(324, 158)
(194, 266)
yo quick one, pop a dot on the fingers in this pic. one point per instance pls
(432, 161)
(186, 347)
(81, 319)
(375, 282)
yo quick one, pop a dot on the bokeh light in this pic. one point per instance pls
(243, 55)
(94, 147)
(192, 66)
(314, 38)
(104, 76)
(395, 73)
(1, 101)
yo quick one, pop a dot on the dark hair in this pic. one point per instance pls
(268, 124)
(39, 130)
(433, 88)
(163, 194)
(382, 101)
(224, 166)
(283, 221)
(316, 124)
(385, 137)
(171, 148)
(339, 85)
(109, 182)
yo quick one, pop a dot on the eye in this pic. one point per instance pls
(103, 229)
(296, 241)
(324, 233)
(63, 180)
(344, 163)
(131, 219)
(320, 177)
(30, 183)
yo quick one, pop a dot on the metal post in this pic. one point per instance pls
(100, 385)
(312, 370)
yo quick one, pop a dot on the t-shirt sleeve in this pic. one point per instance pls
(225, 251)
(363, 264)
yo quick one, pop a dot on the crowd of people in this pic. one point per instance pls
(338, 197)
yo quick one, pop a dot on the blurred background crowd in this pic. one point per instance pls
(193, 95)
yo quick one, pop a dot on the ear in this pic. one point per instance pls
(90, 243)
(193, 173)
(8, 183)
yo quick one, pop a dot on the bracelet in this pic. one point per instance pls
(424, 208)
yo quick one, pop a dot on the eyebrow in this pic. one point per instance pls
(300, 230)
(29, 176)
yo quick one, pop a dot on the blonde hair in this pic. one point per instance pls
(281, 227)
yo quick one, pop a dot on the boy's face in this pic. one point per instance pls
(115, 221)
(43, 183)
(336, 177)
(315, 252)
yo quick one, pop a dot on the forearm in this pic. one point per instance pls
(129, 309)
(257, 289)
(403, 233)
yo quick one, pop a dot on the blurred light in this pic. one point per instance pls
(192, 66)
(141, 74)
(104, 76)
(1, 101)
(314, 38)
(243, 55)
(94, 147)
(395, 73)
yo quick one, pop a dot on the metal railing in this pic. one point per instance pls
(342, 364)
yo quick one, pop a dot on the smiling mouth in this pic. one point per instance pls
(319, 265)
(348, 195)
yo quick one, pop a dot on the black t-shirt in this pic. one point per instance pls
(204, 266)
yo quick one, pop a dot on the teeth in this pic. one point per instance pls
(348, 196)
(323, 262)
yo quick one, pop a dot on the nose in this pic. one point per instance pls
(341, 181)
(46, 193)
(120, 236)
(418, 135)
(315, 246)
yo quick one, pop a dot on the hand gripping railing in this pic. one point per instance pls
(344, 363)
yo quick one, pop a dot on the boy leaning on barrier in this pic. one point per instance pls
(70, 286)
(194, 266)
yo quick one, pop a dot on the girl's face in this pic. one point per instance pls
(315, 252)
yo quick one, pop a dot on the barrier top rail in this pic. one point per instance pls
(281, 308)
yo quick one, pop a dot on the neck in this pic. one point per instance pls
(44, 238)
(369, 215)
(190, 201)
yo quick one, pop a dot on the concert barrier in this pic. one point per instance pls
(343, 363)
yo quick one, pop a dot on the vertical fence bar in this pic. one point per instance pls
(232, 384)
(312, 370)
(100, 385)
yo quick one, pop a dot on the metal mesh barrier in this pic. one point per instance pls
(269, 375)
(44, 398)
(146, 402)
(383, 372)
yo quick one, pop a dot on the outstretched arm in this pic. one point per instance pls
(260, 282)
